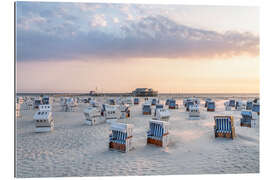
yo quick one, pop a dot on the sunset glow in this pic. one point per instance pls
(77, 47)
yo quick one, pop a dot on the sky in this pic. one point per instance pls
(78, 47)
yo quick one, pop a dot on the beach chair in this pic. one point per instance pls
(249, 105)
(224, 126)
(111, 101)
(18, 110)
(196, 101)
(158, 106)
(37, 102)
(121, 137)
(256, 108)
(188, 105)
(162, 114)
(93, 103)
(167, 102)
(232, 102)
(19, 100)
(184, 102)
(85, 100)
(194, 112)
(128, 101)
(246, 119)
(239, 106)
(28, 104)
(206, 102)
(64, 104)
(158, 133)
(211, 106)
(136, 101)
(46, 100)
(93, 116)
(111, 112)
(227, 106)
(43, 121)
(146, 109)
(172, 104)
(256, 101)
(154, 102)
(125, 111)
(71, 105)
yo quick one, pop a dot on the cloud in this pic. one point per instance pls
(129, 17)
(88, 7)
(152, 36)
(115, 20)
(32, 19)
(98, 20)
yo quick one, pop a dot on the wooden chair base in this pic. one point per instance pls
(117, 146)
(245, 125)
(225, 135)
(146, 113)
(154, 142)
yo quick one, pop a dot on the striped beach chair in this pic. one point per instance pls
(136, 100)
(246, 119)
(224, 126)
(211, 106)
(249, 105)
(158, 133)
(121, 137)
(146, 109)
(172, 104)
(154, 101)
(206, 102)
(227, 106)
(162, 114)
(256, 108)
(232, 103)
(188, 105)
(158, 106)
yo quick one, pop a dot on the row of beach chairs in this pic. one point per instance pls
(252, 105)
(158, 133)
(121, 135)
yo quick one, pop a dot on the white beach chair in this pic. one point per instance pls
(158, 133)
(121, 137)
(43, 121)
(93, 116)
(194, 112)
(162, 115)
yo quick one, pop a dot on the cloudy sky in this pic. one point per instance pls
(77, 47)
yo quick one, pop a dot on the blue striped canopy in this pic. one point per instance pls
(223, 124)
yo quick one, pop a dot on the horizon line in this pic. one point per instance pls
(35, 92)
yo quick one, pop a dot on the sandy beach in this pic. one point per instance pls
(75, 149)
